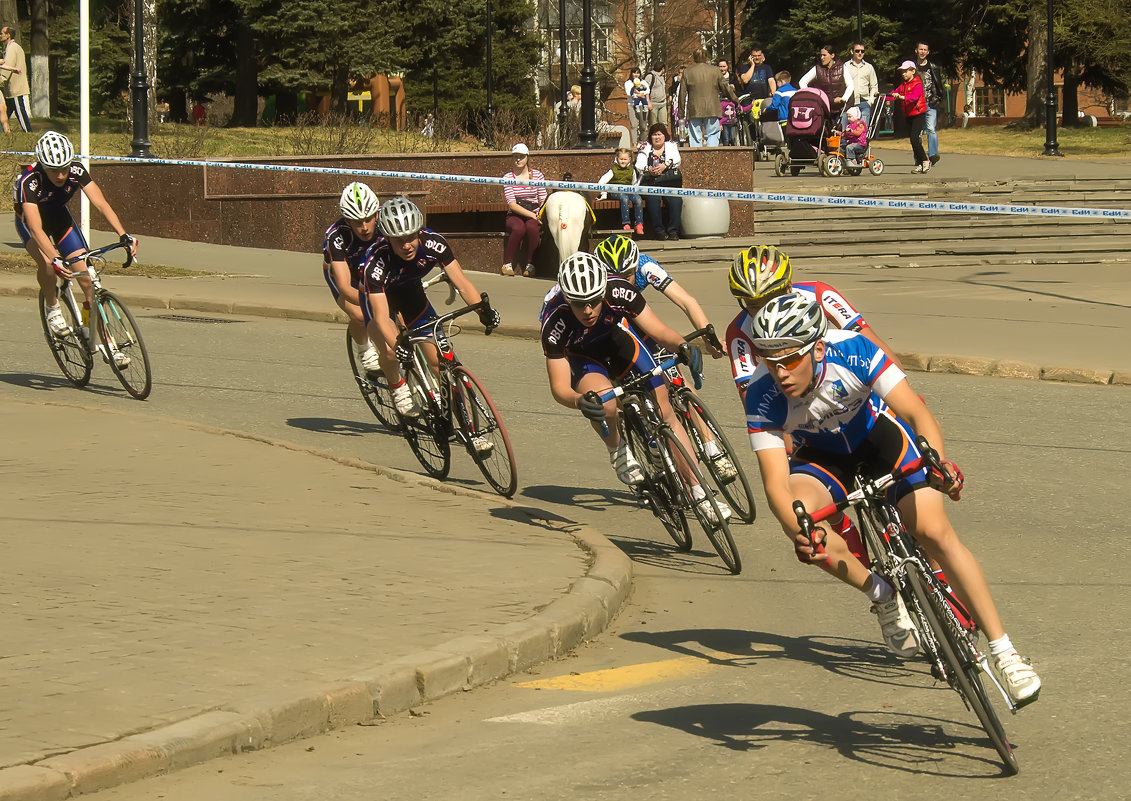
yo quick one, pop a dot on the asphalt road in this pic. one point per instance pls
(770, 684)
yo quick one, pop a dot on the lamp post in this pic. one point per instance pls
(140, 143)
(588, 79)
(563, 110)
(1052, 148)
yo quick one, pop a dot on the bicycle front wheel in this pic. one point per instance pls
(427, 433)
(123, 347)
(71, 352)
(663, 497)
(737, 490)
(963, 670)
(486, 438)
(718, 533)
(375, 390)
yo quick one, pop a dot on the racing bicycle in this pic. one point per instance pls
(949, 639)
(453, 405)
(666, 490)
(114, 334)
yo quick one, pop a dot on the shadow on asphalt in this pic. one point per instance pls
(589, 498)
(907, 743)
(50, 383)
(331, 425)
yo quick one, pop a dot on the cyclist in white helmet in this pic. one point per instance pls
(342, 251)
(394, 267)
(848, 407)
(590, 339)
(46, 226)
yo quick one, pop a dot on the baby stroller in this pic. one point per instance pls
(767, 138)
(811, 136)
(869, 162)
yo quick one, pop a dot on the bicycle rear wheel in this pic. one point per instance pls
(662, 496)
(428, 433)
(719, 535)
(477, 417)
(124, 349)
(962, 667)
(70, 352)
(737, 491)
(375, 390)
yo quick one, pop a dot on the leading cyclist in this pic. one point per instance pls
(848, 407)
(344, 246)
(46, 227)
(394, 267)
(589, 338)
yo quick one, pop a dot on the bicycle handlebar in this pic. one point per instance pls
(443, 278)
(431, 328)
(807, 521)
(708, 333)
(96, 252)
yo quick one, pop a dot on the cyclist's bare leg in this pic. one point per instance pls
(925, 517)
(841, 563)
(595, 382)
(664, 404)
(389, 364)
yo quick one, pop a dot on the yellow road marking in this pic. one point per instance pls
(629, 676)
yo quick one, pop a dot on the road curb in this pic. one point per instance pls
(380, 691)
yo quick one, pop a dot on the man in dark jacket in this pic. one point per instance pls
(933, 88)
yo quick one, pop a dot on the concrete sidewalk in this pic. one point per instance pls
(118, 666)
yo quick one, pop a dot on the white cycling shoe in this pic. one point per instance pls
(57, 323)
(900, 634)
(628, 469)
(1017, 677)
(402, 399)
(482, 445)
(369, 361)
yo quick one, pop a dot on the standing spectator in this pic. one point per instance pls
(523, 204)
(657, 95)
(199, 113)
(932, 87)
(728, 76)
(915, 110)
(638, 105)
(14, 82)
(829, 75)
(865, 85)
(700, 93)
(623, 173)
(678, 112)
(658, 165)
(758, 76)
(855, 136)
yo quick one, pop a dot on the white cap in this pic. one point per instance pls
(907, 65)
(521, 148)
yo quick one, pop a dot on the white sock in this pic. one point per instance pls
(712, 448)
(1000, 646)
(880, 591)
(698, 493)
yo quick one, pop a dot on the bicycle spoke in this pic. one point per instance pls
(70, 352)
(123, 347)
(486, 438)
(662, 497)
(375, 390)
(427, 433)
(736, 491)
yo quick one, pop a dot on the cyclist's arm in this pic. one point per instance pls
(561, 385)
(653, 326)
(34, 223)
(340, 271)
(690, 306)
(773, 464)
(910, 407)
(98, 200)
(382, 323)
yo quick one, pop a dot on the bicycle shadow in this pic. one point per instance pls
(49, 383)
(332, 425)
(588, 498)
(891, 740)
(740, 648)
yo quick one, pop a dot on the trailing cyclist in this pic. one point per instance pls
(849, 408)
(48, 230)
(623, 259)
(394, 267)
(344, 247)
(590, 339)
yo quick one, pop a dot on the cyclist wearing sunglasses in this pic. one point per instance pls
(761, 273)
(849, 408)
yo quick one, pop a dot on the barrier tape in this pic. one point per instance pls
(1076, 212)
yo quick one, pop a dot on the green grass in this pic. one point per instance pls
(1078, 143)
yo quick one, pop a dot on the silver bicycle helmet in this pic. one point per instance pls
(359, 202)
(400, 218)
(582, 277)
(54, 150)
(788, 321)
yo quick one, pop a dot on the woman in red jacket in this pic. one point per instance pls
(915, 111)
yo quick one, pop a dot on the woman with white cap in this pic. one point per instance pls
(915, 111)
(523, 204)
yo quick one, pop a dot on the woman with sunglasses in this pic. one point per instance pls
(848, 408)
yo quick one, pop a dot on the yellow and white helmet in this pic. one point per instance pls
(759, 272)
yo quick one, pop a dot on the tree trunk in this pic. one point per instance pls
(1036, 79)
(1070, 105)
(8, 13)
(40, 68)
(245, 112)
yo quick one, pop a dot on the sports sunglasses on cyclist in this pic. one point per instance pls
(790, 360)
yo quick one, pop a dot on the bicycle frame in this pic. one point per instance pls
(89, 258)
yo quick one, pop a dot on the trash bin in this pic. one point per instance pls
(705, 216)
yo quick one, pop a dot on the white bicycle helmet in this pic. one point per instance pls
(359, 202)
(54, 150)
(582, 277)
(400, 218)
(788, 321)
